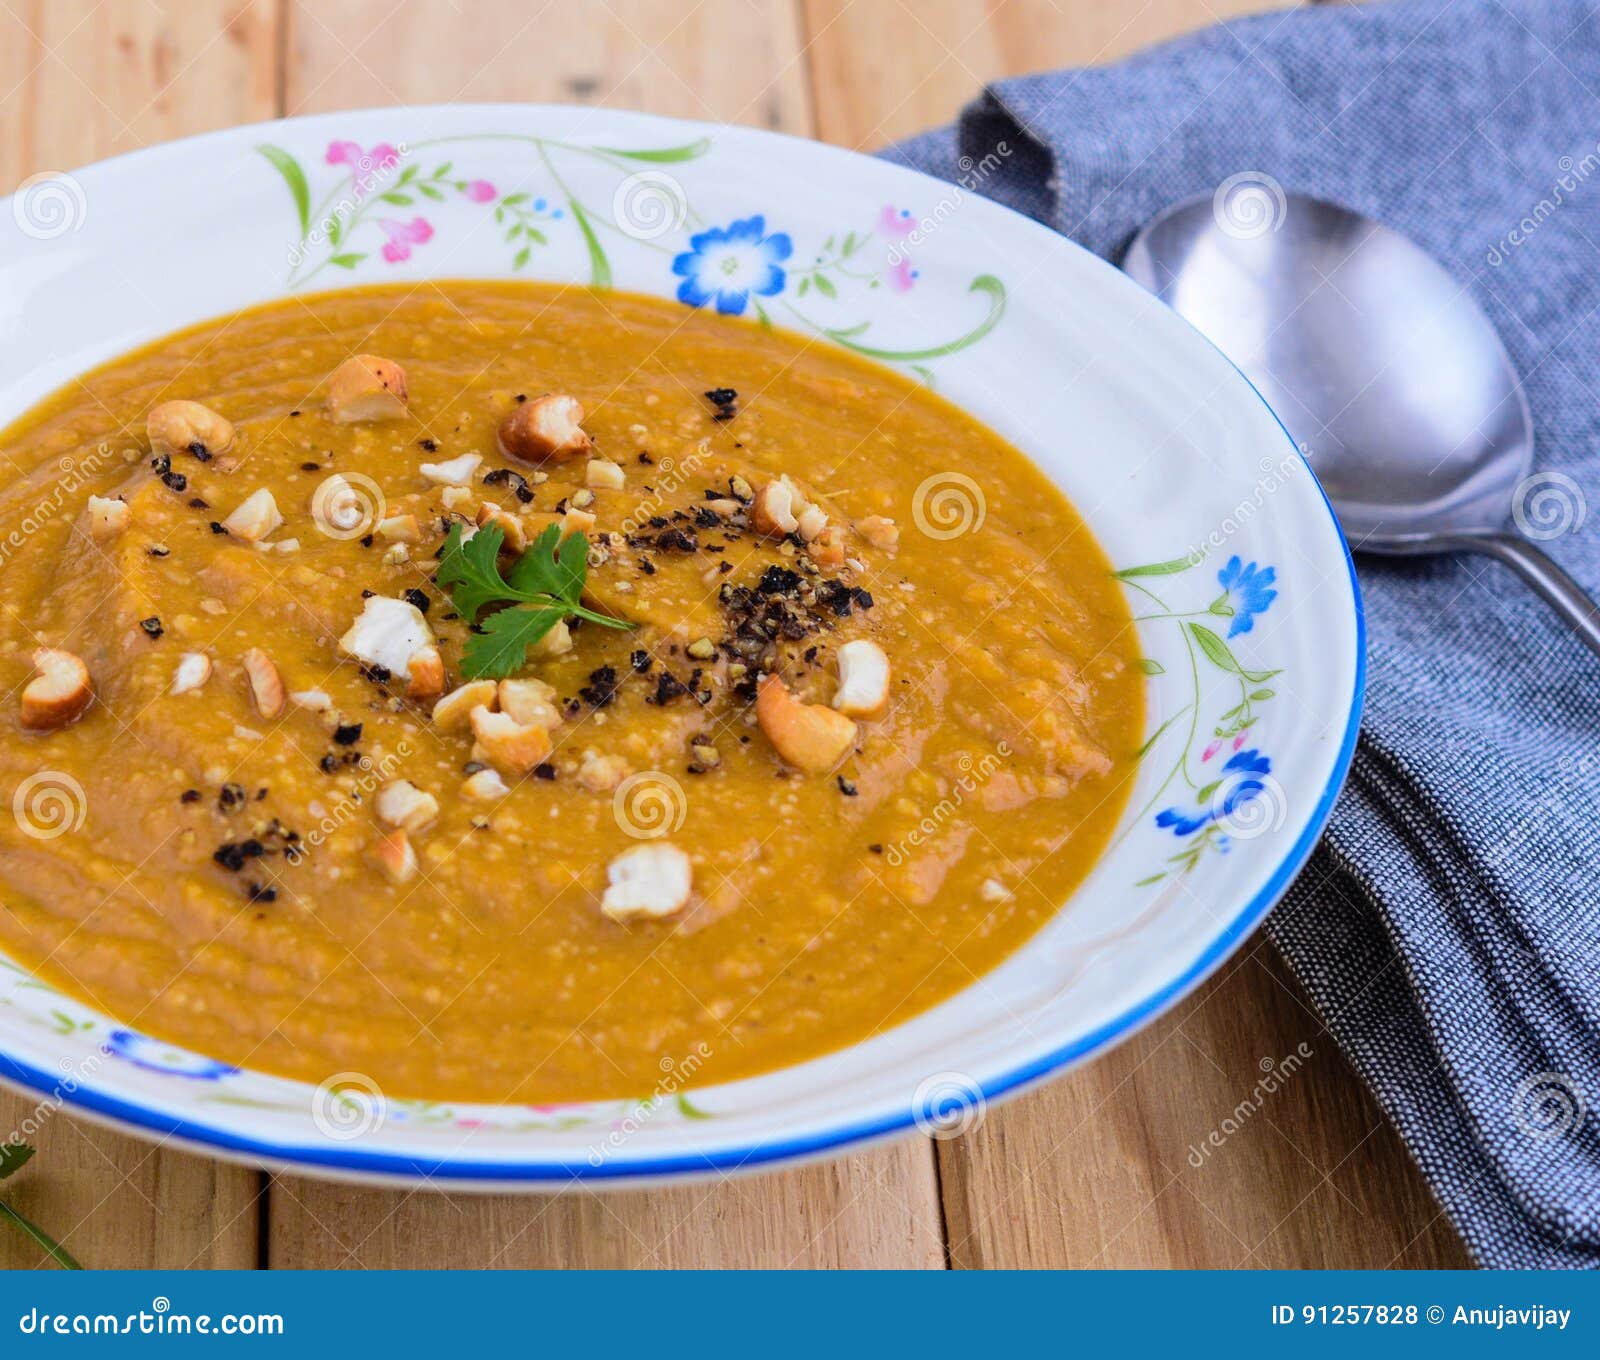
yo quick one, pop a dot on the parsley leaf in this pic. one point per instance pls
(499, 650)
(13, 1157)
(544, 587)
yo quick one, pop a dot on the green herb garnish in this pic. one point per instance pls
(544, 586)
(13, 1157)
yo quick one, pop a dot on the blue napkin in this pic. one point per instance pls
(1448, 926)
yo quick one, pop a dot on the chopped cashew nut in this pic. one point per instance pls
(577, 522)
(312, 700)
(460, 498)
(811, 521)
(511, 747)
(387, 633)
(425, 674)
(194, 669)
(454, 711)
(108, 516)
(510, 525)
(827, 548)
(366, 387)
(256, 517)
(773, 510)
(266, 685)
(187, 427)
(647, 882)
(59, 693)
(601, 774)
(401, 803)
(863, 679)
(531, 702)
(811, 737)
(457, 472)
(400, 529)
(545, 430)
(485, 785)
(879, 530)
(604, 474)
(557, 642)
(393, 854)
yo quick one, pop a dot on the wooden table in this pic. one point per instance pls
(1095, 1169)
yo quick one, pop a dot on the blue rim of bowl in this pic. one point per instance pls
(386, 1164)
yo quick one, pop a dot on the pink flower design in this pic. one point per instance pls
(1238, 741)
(1211, 750)
(403, 235)
(898, 225)
(365, 166)
(479, 191)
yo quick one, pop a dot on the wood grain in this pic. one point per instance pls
(729, 60)
(79, 81)
(1179, 1149)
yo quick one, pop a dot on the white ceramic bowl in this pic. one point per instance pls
(1225, 542)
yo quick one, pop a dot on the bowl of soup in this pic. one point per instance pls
(539, 646)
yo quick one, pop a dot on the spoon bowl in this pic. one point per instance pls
(1379, 362)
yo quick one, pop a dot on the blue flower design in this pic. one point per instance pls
(1240, 784)
(730, 263)
(155, 1056)
(1249, 591)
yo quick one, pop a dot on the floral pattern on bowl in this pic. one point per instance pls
(1142, 425)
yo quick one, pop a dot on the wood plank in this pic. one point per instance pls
(79, 81)
(731, 60)
(877, 1209)
(1115, 1165)
(896, 67)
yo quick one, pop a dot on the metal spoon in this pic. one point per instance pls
(1384, 368)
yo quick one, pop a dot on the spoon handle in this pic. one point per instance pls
(1559, 590)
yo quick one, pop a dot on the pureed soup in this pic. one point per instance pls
(507, 692)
